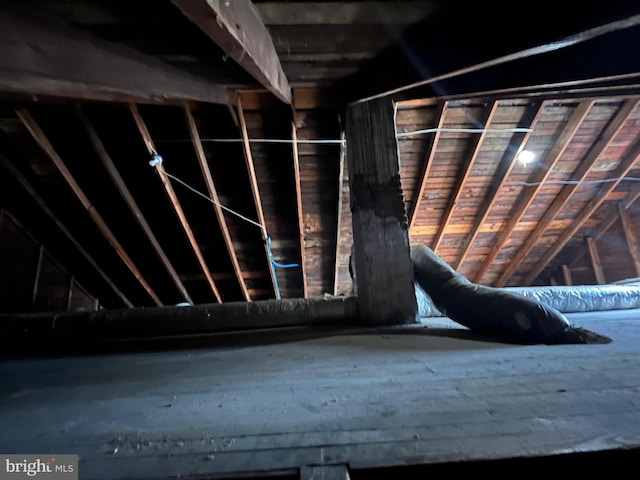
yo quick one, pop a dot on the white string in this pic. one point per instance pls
(575, 182)
(214, 202)
(255, 140)
(465, 130)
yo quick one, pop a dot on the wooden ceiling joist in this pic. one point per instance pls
(528, 194)
(424, 175)
(148, 141)
(43, 142)
(236, 27)
(43, 56)
(256, 192)
(120, 184)
(516, 144)
(584, 167)
(213, 193)
(624, 167)
(42, 204)
(464, 175)
(296, 174)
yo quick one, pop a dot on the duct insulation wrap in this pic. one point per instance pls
(584, 298)
(493, 311)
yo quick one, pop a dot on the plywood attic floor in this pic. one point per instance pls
(271, 402)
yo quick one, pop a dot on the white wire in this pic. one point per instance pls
(255, 140)
(465, 130)
(575, 182)
(253, 222)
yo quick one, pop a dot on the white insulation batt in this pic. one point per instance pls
(587, 298)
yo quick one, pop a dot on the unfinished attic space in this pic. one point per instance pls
(318, 240)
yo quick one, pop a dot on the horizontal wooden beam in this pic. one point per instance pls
(40, 55)
(236, 27)
(344, 13)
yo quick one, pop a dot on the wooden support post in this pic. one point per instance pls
(70, 293)
(566, 274)
(595, 261)
(385, 287)
(630, 236)
(343, 212)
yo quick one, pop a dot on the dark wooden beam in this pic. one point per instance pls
(213, 194)
(43, 142)
(630, 237)
(464, 175)
(173, 197)
(581, 172)
(507, 163)
(43, 56)
(623, 168)
(120, 184)
(631, 21)
(383, 265)
(296, 175)
(236, 27)
(255, 191)
(36, 276)
(566, 274)
(596, 263)
(529, 193)
(42, 204)
(426, 168)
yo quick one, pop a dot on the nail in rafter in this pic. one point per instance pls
(41, 139)
(584, 167)
(213, 193)
(529, 193)
(148, 141)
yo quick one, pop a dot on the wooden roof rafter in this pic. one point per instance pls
(255, 190)
(507, 163)
(120, 184)
(623, 168)
(296, 175)
(584, 167)
(464, 175)
(213, 194)
(43, 142)
(42, 204)
(148, 141)
(424, 175)
(528, 195)
(630, 237)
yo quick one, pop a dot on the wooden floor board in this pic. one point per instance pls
(373, 398)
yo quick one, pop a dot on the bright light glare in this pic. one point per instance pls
(525, 157)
